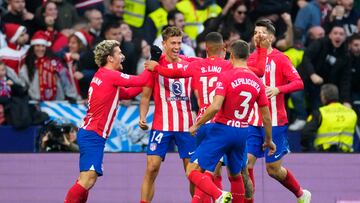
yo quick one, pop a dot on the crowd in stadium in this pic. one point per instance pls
(46, 46)
(242, 61)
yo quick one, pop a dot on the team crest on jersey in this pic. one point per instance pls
(268, 67)
(176, 88)
(153, 146)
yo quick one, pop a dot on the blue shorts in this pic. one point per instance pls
(200, 134)
(159, 142)
(222, 140)
(256, 138)
(91, 147)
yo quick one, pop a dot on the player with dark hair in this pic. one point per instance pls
(235, 94)
(280, 78)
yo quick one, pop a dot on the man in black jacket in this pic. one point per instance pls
(354, 47)
(326, 61)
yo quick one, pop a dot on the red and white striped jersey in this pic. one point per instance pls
(280, 73)
(205, 73)
(105, 91)
(172, 99)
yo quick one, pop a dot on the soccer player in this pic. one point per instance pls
(235, 94)
(205, 74)
(280, 78)
(105, 91)
(172, 116)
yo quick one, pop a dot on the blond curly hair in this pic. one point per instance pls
(103, 50)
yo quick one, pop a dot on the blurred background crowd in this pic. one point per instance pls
(46, 47)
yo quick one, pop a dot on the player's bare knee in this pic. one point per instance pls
(191, 167)
(152, 168)
(273, 170)
(88, 179)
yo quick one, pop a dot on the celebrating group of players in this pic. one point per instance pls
(230, 93)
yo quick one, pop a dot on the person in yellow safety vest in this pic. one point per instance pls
(157, 19)
(196, 12)
(134, 13)
(332, 126)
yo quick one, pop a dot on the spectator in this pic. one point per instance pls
(79, 42)
(5, 91)
(116, 12)
(44, 74)
(95, 21)
(296, 57)
(19, 15)
(134, 14)
(314, 33)
(13, 55)
(48, 21)
(70, 135)
(238, 18)
(331, 127)
(284, 40)
(176, 18)
(68, 15)
(144, 52)
(157, 19)
(354, 46)
(196, 12)
(326, 61)
(313, 14)
(344, 14)
(113, 31)
(126, 32)
(56, 137)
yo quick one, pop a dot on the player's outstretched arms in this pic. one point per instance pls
(129, 93)
(265, 113)
(167, 72)
(126, 80)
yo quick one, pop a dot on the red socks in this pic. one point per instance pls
(292, 184)
(144, 202)
(237, 189)
(200, 197)
(218, 182)
(204, 183)
(76, 194)
(249, 201)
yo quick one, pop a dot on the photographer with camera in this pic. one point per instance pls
(58, 138)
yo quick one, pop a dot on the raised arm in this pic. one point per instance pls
(257, 61)
(125, 80)
(167, 72)
(257, 64)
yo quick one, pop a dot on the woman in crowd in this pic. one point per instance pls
(44, 74)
